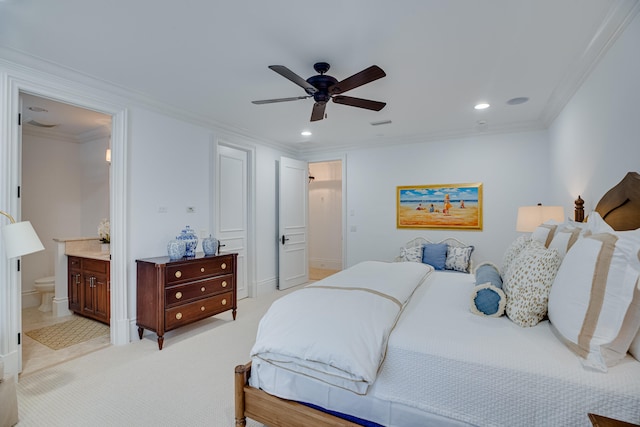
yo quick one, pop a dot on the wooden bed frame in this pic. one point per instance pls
(619, 207)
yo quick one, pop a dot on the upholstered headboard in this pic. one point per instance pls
(620, 206)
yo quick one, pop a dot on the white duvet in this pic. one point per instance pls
(336, 330)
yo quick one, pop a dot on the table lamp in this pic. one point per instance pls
(20, 238)
(530, 217)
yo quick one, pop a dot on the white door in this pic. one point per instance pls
(232, 209)
(293, 220)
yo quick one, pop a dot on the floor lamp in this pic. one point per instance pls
(20, 238)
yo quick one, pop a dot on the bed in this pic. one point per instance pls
(441, 364)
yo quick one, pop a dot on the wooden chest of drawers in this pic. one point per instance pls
(171, 294)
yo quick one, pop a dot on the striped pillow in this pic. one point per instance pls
(594, 303)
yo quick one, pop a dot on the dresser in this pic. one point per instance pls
(175, 293)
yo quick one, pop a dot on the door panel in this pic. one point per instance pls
(231, 215)
(293, 223)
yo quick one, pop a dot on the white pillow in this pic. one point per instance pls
(594, 304)
(595, 224)
(563, 239)
(411, 254)
(527, 291)
(544, 232)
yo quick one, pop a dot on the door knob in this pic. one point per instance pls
(284, 239)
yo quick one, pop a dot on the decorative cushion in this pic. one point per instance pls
(487, 298)
(435, 254)
(544, 233)
(594, 304)
(564, 238)
(411, 254)
(458, 258)
(528, 289)
(512, 253)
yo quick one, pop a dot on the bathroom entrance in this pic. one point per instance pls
(65, 194)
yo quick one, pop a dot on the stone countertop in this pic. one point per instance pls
(103, 256)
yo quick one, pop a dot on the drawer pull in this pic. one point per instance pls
(202, 289)
(223, 266)
(178, 274)
(224, 301)
(178, 316)
(202, 270)
(202, 308)
(178, 295)
(224, 283)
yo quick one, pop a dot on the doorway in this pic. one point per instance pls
(325, 219)
(64, 193)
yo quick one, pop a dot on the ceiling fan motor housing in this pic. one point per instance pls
(322, 82)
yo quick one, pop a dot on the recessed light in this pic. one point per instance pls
(38, 110)
(518, 100)
(305, 133)
(482, 106)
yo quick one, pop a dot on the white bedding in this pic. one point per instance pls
(336, 330)
(445, 364)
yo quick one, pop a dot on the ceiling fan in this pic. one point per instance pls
(323, 87)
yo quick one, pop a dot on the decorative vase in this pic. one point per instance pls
(190, 239)
(176, 249)
(210, 245)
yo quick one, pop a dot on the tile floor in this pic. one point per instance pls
(36, 356)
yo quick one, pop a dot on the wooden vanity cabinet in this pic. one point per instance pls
(174, 293)
(89, 288)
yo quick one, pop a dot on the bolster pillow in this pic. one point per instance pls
(488, 298)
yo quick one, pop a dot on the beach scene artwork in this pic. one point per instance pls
(456, 206)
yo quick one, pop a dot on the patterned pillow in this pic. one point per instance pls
(512, 253)
(594, 304)
(411, 254)
(529, 284)
(458, 258)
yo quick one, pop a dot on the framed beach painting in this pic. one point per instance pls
(450, 206)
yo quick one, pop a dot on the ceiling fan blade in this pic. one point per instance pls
(359, 102)
(287, 73)
(318, 111)
(363, 77)
(271, 101)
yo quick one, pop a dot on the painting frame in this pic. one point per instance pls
(440, 206)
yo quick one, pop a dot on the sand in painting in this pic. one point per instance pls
(408, 215)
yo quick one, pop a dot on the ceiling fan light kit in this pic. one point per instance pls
(323, 88)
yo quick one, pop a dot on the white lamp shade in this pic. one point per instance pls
(529, 217)
(20, 239)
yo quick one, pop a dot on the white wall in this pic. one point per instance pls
(513, 169)
(595, 141)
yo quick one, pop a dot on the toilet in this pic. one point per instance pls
(47, 287)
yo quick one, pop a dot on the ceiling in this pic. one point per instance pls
(209, 59)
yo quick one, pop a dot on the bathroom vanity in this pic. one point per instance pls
(89, 287)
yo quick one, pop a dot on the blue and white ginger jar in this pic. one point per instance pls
(190, 239)
(176, 249)
(210, 245)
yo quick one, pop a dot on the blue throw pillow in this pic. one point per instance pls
(435, 254)
(488, 298)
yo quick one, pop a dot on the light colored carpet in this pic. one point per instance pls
(71, 332)
(188, 383)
